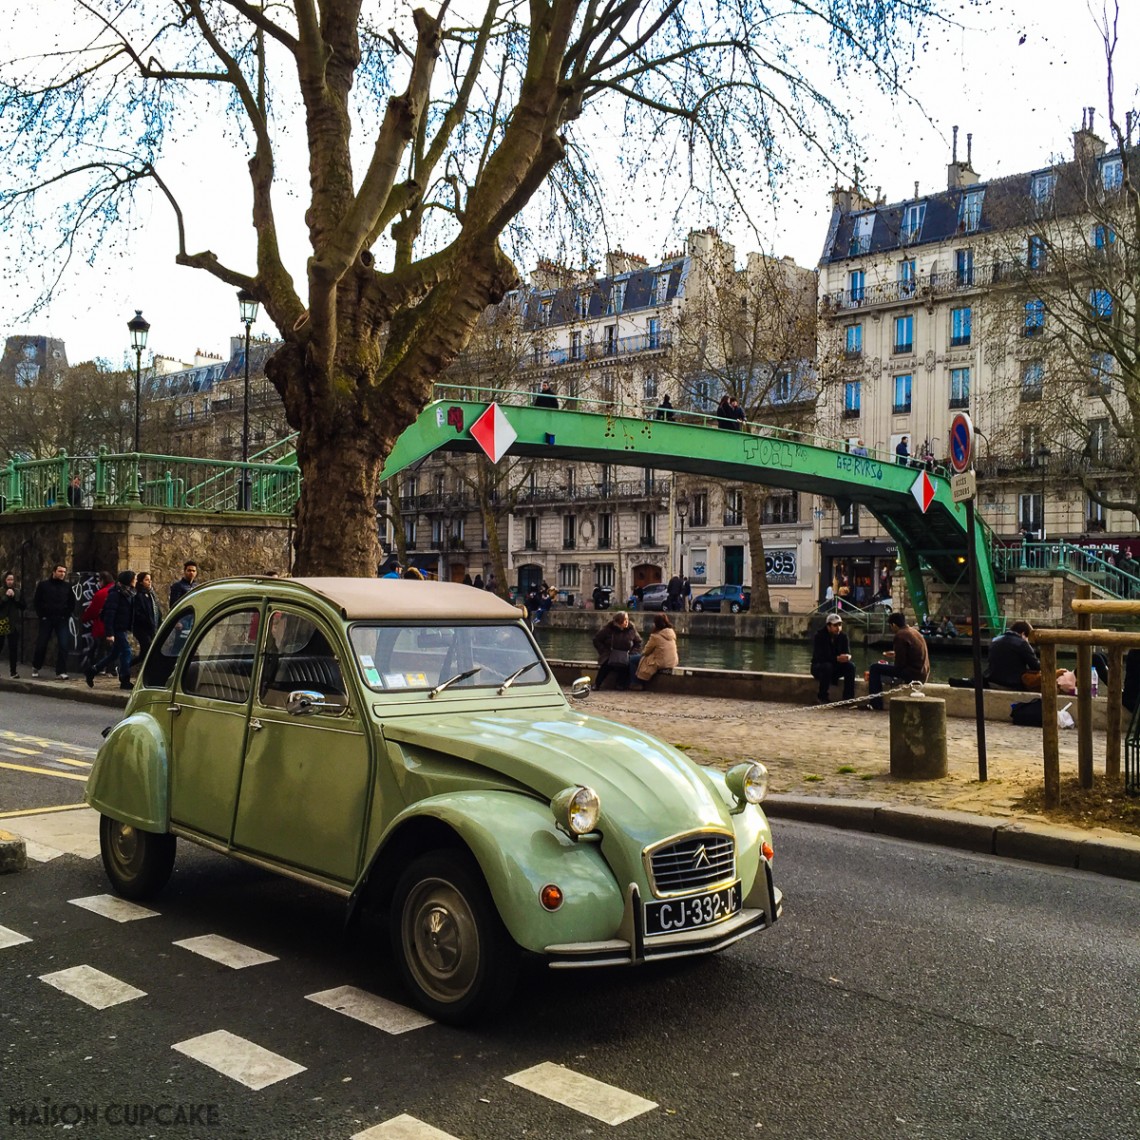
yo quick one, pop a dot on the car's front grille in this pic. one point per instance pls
(693, 863)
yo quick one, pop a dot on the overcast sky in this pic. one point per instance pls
(1016, 77)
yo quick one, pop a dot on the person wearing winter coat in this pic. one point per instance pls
(118, 618)
(617, 643)
(148, 612)
(93, 614)
(660, 650)
(12, 608)
(53, 602)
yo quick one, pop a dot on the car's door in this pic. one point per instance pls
(208, 717)
(307, 777)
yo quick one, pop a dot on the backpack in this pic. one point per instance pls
(1027, 713)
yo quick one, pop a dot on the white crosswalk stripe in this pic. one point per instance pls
(603, 1102)
(39, 852)
(372, 1010)
(11, 938)
(239, 1059)
(402, 1127)
(116, 909)
(225, 951)
(92, 986)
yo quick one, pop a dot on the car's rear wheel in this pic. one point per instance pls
(698, 608)
(137, 862)
(735, 607)
(452, 948)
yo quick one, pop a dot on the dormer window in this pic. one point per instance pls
(1041, 189)
(970, 210)
(912, 222)
(1111, 173)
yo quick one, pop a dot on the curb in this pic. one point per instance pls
(67, 691)
(1117, 856)
(13, 854)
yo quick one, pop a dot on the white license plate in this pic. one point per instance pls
(692, 911)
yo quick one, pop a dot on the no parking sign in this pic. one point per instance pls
(961, 442)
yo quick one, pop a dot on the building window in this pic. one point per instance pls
(853, 344)
(1103, 236)
(654, 333)
(648, 528)
(1100, 304)
(734, 508)
(1030, 440)
(1034, 318)
(650, 386)
(617, 297)
(1094, 515)
(1036, 256)
(410, 533)
(904, 334)
(782, 389)
(849, 519)
(1097, 440)
(959, 387)
(568, 575)
(530, 533)
(1041, 188)
(604, 574)
(1111, 173)
(961, 326)
(852, 398)
(437, 533)
(582, 303)
(605, 531)
(964, 266)
(575, 346)
(906, 277)
(606, 384)
(861, 238)
(569, 532)
(1101, 367)
(1032, 379)
(781, 507)
(856, 282)
(970, 210)
(661, 289)
(702, 400)
(544, 313)
(609, 339)
(606, 481)
(912, 222)
(1030, 513)
(901, 404)
(699, 511)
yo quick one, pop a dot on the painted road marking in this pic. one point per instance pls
(239, 1059)
(44, 742)
(372, 1010)
(603, 1102)
(402, 1127)
(40, 810)
(92, 986)
(39, 853)
(11, 938)
(22, 751)
(42, 771)
(225, 951)
(73, 763)
(116, 909)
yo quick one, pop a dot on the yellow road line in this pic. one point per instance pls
(73, 763)
(22, 751)
(43, 771)
(40, 810)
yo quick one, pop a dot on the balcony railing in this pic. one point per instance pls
(599, 350)
(626, 490)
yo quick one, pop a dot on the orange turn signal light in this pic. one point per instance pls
(550, 896)
(768, 850)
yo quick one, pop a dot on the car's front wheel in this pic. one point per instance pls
(698, 608)
(454, 953)
(137, 862)
(735, 607)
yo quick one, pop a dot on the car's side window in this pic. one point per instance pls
(297, 655)
(220, 665)
(160, 664)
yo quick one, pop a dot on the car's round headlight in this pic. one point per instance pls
(748, 782)
(576, 810)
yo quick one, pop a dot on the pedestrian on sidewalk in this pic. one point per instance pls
(118, 617)
(12, 608)
(831, 662)
(148, 613)
(53, 602)
(185, 584)
(911, 659)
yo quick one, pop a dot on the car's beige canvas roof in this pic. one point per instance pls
(404, 598)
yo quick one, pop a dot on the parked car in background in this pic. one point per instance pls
(653, 596)
(731, 599)
(405, 746)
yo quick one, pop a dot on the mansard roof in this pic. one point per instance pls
(640, 293)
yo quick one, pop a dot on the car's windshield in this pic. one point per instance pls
(406, 657)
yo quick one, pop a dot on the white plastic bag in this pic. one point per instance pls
(1064, 717)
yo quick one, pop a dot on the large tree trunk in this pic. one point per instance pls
(754, 498)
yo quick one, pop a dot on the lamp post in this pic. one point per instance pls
(138, 327)
(1043, 454)
(247, 304)
(682, 505)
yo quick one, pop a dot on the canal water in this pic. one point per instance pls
(754, 655)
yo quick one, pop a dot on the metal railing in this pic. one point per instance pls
(1079, 562)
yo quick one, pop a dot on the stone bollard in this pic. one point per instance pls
(918, 737)
(13, 856)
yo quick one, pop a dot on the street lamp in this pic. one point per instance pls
(139, 327)
(682, 505)
(1043, 454)
(247, 303)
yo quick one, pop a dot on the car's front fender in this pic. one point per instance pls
(520, 851)
(130, 780)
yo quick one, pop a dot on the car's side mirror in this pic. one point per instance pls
(580, 689)
(301, 702)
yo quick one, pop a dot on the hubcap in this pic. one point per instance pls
(126, 844)
(440, 940)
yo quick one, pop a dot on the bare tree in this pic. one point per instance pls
(476, 117)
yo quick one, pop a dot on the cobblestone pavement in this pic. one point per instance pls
(844, 752)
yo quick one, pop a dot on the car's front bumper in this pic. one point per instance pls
(634, 946)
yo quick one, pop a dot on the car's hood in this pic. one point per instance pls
(552, 748)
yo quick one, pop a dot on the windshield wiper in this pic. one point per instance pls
(452, 680)
(515, 676)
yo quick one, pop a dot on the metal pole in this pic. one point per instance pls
(245, 488)
(976, 623)
(138, 395)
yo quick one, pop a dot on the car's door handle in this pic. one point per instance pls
(174, 709)
(254, 724)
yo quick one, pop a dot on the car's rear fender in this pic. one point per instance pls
(130, 780)
(520, 851)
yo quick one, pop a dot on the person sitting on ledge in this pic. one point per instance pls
(911, 660)
(831, 659)
(1012, 662)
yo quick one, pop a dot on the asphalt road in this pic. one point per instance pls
(909, 991)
